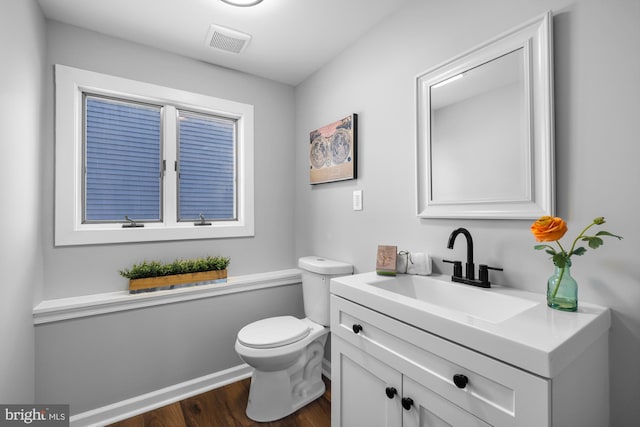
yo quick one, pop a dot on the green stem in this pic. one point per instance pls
(555, 291)
(573, 246)
(568, 256)
(561, 248)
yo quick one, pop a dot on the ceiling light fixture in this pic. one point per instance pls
(242, 3)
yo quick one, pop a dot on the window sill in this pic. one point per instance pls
(56, 310)
(93, 234)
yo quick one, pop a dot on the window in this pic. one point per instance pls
(140, 162)
(123, 161)
(206, 170)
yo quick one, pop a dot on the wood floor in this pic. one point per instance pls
(224, 407)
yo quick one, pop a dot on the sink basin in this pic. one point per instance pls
(481, 303)
(503, 322)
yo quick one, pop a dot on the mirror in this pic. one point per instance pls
(490, 101)
(485, 130)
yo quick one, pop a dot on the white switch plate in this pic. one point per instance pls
(357, 200)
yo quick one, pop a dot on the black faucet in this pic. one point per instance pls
(469, 278)
(469, 267)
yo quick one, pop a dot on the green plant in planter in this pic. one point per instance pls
(179, 266)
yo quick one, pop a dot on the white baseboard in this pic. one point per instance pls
(140, 404)
(147, 402)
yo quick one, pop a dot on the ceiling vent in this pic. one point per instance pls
(226, 39)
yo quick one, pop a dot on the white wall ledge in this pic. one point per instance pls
(56, 310)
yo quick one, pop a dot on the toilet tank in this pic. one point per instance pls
(316, 275)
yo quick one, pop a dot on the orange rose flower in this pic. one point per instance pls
(548, 229)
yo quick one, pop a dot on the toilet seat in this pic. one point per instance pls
(273, 332)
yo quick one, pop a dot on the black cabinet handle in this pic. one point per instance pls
(460, 380)
(407, 403)
(356, 328)
(391, 392)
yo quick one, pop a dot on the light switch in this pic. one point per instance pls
(357, 200)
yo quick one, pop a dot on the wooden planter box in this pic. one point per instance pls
(177, 280)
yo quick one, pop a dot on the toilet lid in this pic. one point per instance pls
(273, 332)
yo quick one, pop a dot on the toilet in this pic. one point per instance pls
(285, 352)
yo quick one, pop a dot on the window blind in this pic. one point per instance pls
(206, 166)
(122, 161)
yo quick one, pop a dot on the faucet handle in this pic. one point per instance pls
(483, 272)
(457, 267)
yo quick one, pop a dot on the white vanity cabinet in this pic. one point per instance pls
(373, 394)
(388, 373)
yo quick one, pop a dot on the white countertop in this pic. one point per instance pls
(539, 339)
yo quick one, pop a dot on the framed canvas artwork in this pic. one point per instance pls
(332, 151)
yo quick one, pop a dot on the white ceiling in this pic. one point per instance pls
(291, 39)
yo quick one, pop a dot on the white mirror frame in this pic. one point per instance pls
(535, 38)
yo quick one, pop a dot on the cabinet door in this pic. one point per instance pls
(359, 387)
(429, 409)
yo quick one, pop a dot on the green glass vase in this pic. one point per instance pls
(562, 290)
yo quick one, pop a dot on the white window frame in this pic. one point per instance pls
(71, 83)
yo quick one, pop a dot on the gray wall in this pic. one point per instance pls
(597, 127)
(72, 271)
(22, 46)
(97, 361)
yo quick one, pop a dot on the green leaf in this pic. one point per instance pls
(549, 249)
(606, 233)
(156, 268)
(594, 242)
(560, 260)
(579, 251)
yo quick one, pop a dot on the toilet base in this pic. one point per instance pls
(274, 395)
